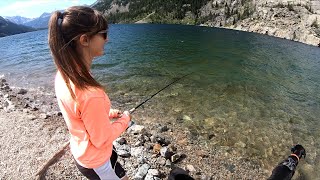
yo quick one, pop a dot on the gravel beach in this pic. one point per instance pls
(33, 130)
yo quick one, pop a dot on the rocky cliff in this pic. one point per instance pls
(297, 20)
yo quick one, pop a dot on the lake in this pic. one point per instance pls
(252, 93)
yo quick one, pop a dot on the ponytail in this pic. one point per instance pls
(64, 29)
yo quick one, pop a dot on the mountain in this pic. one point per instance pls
(18, 19)
(9, 28)
(294, 20)
(40, 22)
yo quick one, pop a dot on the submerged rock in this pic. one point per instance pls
(240, 144)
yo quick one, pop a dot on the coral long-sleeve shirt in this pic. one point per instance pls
(88, 121)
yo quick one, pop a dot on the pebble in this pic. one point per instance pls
(162, 161)
(124, 150)
(168, 163)
(141, 160)
(163, 128)
(142, 172)
(44, 116)
(137, 151)
(190, 168)
(6, 87)
(153, 172)
(202, 154)
(240, 144)
(8, 106)
(175, 157)
(205, 177)
(22, 91)
(156, 148)
(186, 118)
(231, 168)
(164, 152)
(138, 143)
(31, 117)
(161, 140)
(122, 141)
(136, 129)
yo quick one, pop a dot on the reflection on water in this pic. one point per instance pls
(255, 94)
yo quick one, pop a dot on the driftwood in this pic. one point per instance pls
(40, 174)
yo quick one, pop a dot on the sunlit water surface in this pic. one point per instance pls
(256, 94)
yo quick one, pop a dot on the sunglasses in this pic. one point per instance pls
(104, 33)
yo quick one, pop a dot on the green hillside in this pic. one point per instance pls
(162, 11)
(176, 11)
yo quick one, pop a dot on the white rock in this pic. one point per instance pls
(135, 129)
(44, 116)
(150, 177)
(142, 172)
(190, 168)
(137, 151)
(31, 117)
(8, 106)
(123, 150)
(153, 172)
(240, 144)
(163, 151)
(186, 118)
(141, 160)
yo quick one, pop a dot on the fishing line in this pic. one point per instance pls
(133, 109)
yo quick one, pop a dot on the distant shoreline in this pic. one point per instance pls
(145, 21)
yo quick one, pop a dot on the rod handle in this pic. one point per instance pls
(132, 110)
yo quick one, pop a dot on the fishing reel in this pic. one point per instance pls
(131, 123)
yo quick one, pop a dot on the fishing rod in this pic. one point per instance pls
(133, 109)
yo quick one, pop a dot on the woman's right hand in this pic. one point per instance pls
(130, 123)
(127, 113)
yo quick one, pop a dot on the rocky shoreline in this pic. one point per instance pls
(292, 20)
(33, 130)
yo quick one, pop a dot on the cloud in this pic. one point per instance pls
(75, 2)
(28, 4)
(34, 8)
(26, 8)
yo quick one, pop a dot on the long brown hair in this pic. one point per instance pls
(64, 29)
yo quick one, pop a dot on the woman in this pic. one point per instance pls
(75, 37)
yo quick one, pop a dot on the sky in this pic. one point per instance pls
(34, 8)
